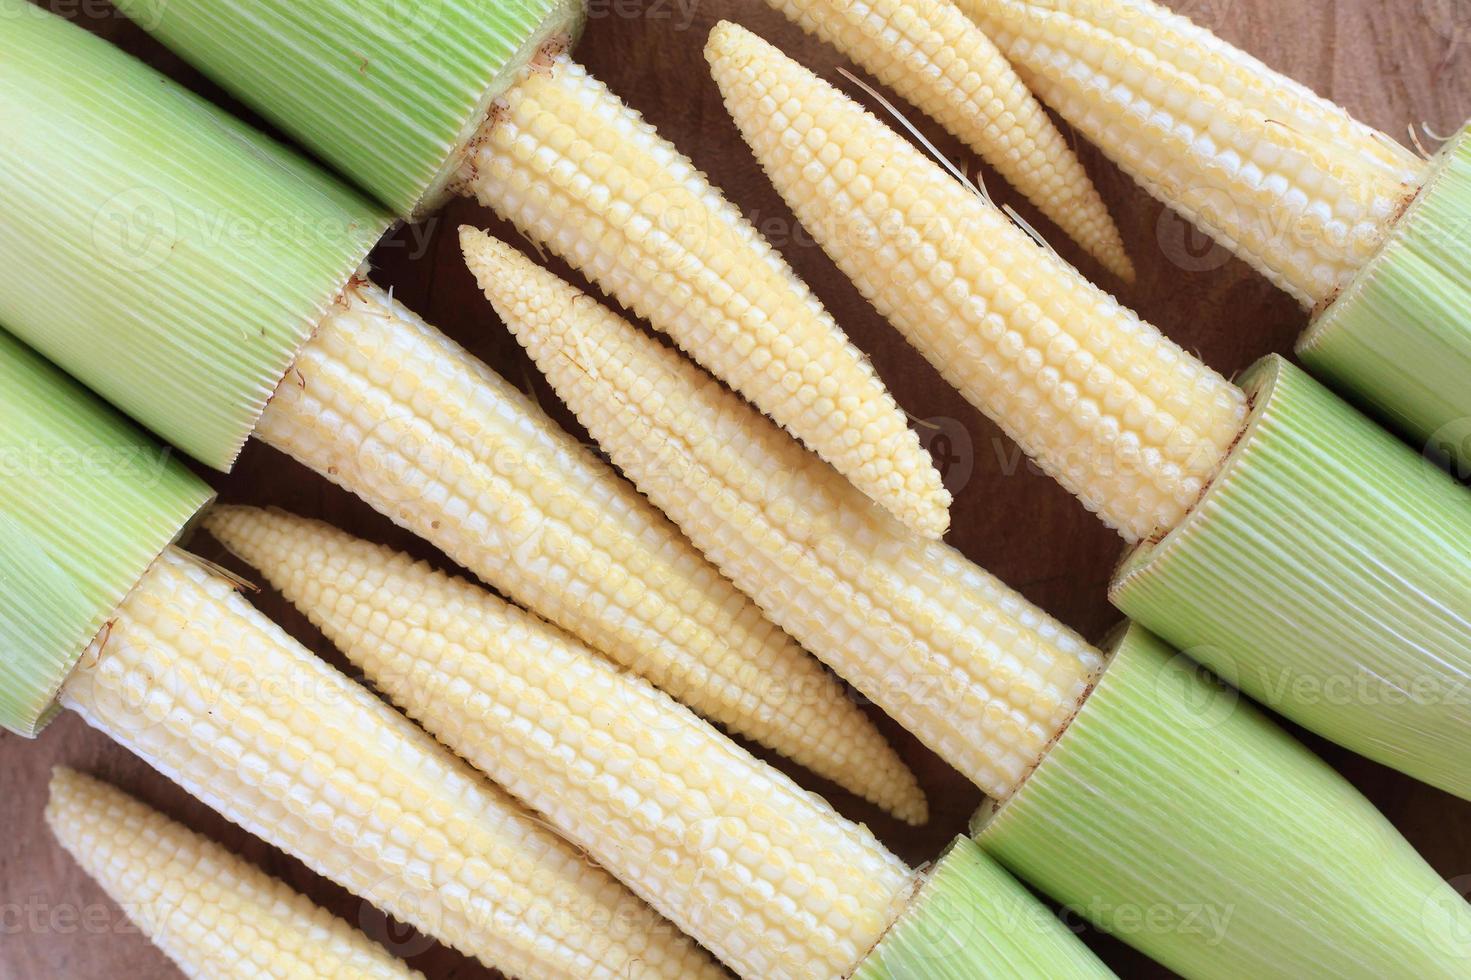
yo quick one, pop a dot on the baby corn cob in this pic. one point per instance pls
(215, 915)
(1283, 541)
(503, 114)
(764, 874)
(1282, 177)
(933, 55)
(577, 170)
(1119, 415)
(385, 405)
(190, 677)
(351, 383)
(972, 669)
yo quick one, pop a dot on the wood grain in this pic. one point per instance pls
(1392, 62)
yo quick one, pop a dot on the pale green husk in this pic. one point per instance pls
(86, 504)
(162, 252)
(972, 919)
(1176, 816)
(1327, 573)
(388, 93)
(1398, 340)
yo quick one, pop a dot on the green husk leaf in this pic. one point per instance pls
(1398, 340)
(162, 252)
(971, 919)
(1325, 573)
(1175, 815)
(86, 504)
(389, 94)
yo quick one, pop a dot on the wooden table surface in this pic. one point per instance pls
(1392, 62)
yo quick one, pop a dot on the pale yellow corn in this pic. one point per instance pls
(1131, 424)
(933, 55)
(982, 677)
(215, 915)
(1287, 180)
(766, 875)
(584, 175)
(385, 405)
(189, 676)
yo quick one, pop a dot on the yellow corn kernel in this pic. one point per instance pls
(766, 875)
(383, 404)
(933, 55)
(1119, 415)
(581, 173)
(190, 677)
(1285, 179)
(980, 675)
(215, 915)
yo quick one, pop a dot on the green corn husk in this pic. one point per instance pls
(1327, 573)
(125, 499)
(389, 93)
(163, 253)
(1399, 338)
(971, 919)
(1176, 816)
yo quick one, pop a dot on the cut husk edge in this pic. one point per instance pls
(1398, 340)
(1175, 815)
(86, 504)
(971, 919)
(162, 252)
(389, 94)
(1324, 573)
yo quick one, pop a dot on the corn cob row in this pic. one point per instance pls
(484, 100)
(1287, 180)
(766, 875)
(977, 673)
(1118, 414)
(219, 699)
(934, 56)
(385, 405)
(215, 915)
(577, 170)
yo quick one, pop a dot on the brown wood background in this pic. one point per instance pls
(1392, 62)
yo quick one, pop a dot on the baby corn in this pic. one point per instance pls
(502, 113)
(216, 697)
(328, 368)
(384, 404)
(215, 915)
(976, 672)
(766, 875)
(1131, 424)
(933, 55)
(1285, 540)
(581, 173)
(1284, 178)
